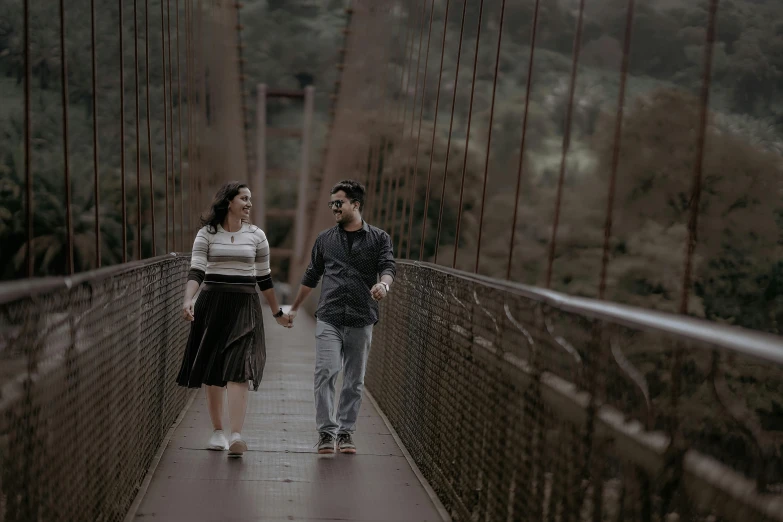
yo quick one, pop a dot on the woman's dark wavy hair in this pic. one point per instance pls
(219, 208)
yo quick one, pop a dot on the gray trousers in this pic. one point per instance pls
(337, 348)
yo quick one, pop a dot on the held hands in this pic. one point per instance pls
(285, 320)
(288, 318)
(378, 292)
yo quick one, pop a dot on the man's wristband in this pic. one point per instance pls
(278, 314)
(385, 285)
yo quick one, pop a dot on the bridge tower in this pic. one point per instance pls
(289, 247)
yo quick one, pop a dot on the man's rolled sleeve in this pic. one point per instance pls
(386, 263)
(315, 270)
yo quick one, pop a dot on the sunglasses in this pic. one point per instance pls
(336, 204)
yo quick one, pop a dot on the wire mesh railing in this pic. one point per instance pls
(523, 404)
(88, 367)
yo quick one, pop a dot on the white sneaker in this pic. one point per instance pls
(217, 441)
(237, 446)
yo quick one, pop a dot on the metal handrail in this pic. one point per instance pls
(701, 332)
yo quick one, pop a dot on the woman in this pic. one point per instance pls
(226, 342)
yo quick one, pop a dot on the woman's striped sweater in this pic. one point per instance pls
(238, 258)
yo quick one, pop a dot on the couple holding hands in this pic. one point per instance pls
(226, 349)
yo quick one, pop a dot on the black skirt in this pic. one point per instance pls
(226, 341)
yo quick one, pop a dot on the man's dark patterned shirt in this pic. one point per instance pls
(349, 272)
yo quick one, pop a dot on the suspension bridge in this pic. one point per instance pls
(496, 391)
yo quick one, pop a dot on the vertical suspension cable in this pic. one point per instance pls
(378, 139)
(396, 177)
(693, 218)
(149, 128)
(199, 71)
(467, 135)
(69, 268)
(377, 88)
(386, 182)
(412, 193)
(375, 149)
(618, 131)
(171, 133)
(122, 139)
(165, 122)
(566, 143)
(28, 129)
(489, 137)
(408, 174)
(136, 108)
(189, 97)
(179, 135)
(451, 127)
(523, 141)
(96, 193)
(434, 129)
(384, 194)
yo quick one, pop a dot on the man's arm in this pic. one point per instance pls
(310, 278)
(387, 268)
(301, 297)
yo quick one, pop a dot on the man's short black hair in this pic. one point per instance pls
(353, 190)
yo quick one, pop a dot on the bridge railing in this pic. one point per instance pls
(87, 387)
(524, 404)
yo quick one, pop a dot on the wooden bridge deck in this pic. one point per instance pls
(281, 477)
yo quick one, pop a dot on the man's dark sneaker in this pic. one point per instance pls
(345, 443)
(326, 443)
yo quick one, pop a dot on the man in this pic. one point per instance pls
(350, 257)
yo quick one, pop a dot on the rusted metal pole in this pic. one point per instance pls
(28, 129)
(182, 244)
(96, 167)
(138, 143)
(122, 139)
(566, 143)
(189, 97)
(618, 135)
(165, 122)
(171, 128)
(199, 71)
(149, 128)
(69, 268)
(530, 62)
(693, 219)
(489, 137)
(467, 135)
